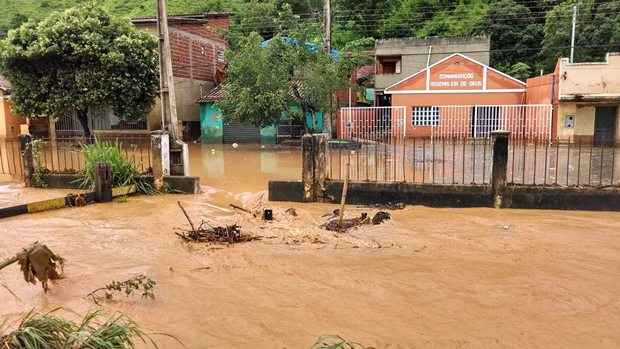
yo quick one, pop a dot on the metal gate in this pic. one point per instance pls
(236, 132)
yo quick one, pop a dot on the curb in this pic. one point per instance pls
(71, 200)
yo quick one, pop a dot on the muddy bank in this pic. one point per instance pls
(427, 278)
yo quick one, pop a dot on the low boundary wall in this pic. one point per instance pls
(526, 197)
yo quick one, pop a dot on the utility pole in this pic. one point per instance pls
(328, 26)
(166, 82)
(572, 38)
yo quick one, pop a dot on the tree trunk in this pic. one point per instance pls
(82, 115)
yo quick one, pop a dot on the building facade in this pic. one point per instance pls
(396, 59)
(586, 99)
(10, 124)
(197, 53)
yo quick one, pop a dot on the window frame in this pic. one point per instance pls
(425, 116)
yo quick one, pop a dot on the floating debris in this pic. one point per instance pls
(38, 262)
(205, 232)
(381, 217)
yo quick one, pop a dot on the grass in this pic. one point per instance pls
(49, 331)
(123, 172)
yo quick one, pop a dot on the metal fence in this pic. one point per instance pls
(10, 159)
(413, 160)
(372, 123)
(468, 161)
(563, 163)
(64, 155)
(478, 121)
(446, 121)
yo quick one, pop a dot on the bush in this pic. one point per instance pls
(123, 172)
(53, 332)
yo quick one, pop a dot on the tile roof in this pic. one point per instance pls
(215, 94)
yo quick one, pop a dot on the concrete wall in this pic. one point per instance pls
(414, 54)
(584, 113)
(9, 123)
(590, 80)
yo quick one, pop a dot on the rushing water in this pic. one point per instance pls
(428, 278)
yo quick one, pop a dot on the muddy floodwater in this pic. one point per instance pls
(429, 278)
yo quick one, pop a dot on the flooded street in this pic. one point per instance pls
(445, 278)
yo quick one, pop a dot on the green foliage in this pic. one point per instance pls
(598, 31)
(291, 69)
(39, 173)
(123, 172)
(145, 286)
(422, 18)
(513, 35)
(80, 58)
(37, 331)
(520, 71)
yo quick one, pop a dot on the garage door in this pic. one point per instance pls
(236, 132)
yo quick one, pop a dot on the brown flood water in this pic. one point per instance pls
(440, 278)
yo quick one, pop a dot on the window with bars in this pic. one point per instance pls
(425, 116)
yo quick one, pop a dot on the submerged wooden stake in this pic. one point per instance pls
(343, 199)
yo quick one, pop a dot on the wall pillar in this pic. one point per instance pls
(307, 167)
(314, 155)
(25, 150)
(160, 156)
(103, 182)
(500, 165)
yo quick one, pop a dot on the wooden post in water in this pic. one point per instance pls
(103, 182)
(500, 166)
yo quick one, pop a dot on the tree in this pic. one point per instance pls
(423, 18)
(515, 37)
(598, 31)
(77, 59)
(267, 78)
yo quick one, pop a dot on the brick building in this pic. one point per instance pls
(197, 52)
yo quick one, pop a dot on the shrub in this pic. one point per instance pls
(54, 332)
(123, 172)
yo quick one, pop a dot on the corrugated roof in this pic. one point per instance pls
(214, 95)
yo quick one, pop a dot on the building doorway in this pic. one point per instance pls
(605, 125)
(484, 120)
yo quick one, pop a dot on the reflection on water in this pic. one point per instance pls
(247, 168)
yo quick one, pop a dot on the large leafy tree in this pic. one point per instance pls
(77, 59)
(515, 37)
(268, 78)
(598, 31)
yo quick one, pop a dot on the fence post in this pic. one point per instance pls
(160, 156)
(500, 165)
(25, 149)
(103, 182)
(308, 155)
